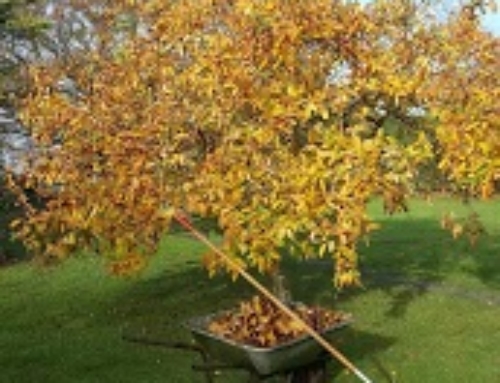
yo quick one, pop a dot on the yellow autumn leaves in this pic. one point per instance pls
(281, 119)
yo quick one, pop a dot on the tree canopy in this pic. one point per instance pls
(280, 118)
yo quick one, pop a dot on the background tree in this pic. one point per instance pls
(20, 28)
(281, 119)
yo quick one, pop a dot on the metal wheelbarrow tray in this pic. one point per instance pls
(265, 361)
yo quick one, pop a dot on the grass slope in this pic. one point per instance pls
(429, 311)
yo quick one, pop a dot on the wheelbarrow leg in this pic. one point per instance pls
(253, 377)
(313, 373)
(209, 373)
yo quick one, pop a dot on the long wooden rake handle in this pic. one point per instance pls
(183, 221)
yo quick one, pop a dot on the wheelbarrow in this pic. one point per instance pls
(301, 360)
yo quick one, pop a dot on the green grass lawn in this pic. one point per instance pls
(428, 311)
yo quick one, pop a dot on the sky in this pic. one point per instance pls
(490, 21)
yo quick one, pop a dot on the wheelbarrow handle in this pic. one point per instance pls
(163, 343)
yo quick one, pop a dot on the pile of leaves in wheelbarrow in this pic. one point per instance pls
(259, 322)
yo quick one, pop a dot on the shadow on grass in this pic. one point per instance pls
(357, 345)
(163, 303)
(406, 259)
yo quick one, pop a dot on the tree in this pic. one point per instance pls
(20, 27)
(282, 119)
